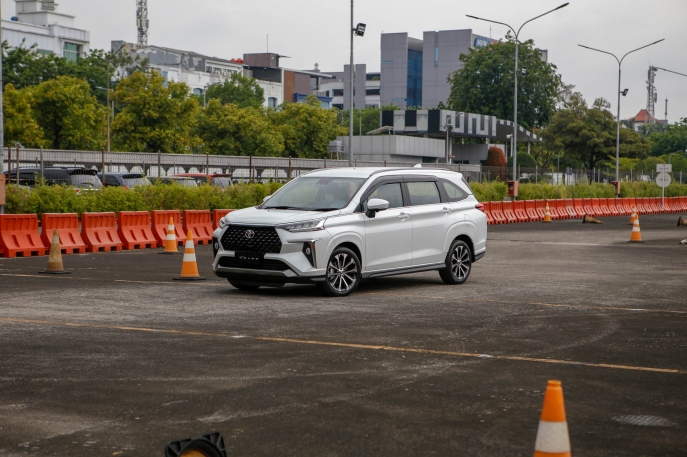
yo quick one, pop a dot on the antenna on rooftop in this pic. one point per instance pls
(142, 22)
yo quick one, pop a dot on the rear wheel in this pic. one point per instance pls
(242, 286)
(458, 263)
(343, 273)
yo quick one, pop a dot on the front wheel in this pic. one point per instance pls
(458, 263)
(343, 273)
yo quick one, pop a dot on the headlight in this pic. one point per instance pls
(223, 223)
(307, 226)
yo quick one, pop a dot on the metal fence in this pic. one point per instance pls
(572, 176)
(158, 165)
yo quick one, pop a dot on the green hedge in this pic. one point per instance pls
(61, 199)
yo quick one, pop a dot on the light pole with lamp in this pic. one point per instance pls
(449, 140)
(623, 93)
(358, 30)
(515, 74)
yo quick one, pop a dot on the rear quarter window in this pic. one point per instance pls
(454, 192)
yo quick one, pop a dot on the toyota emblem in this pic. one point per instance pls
(249, 234)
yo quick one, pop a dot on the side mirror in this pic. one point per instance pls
(375, 205)
(266, 198)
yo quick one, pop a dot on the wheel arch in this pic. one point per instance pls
(465, 238)
(353, 247)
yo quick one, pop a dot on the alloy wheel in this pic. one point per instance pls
(342, 272)
(460, 262)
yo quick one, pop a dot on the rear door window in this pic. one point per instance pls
(423, 193)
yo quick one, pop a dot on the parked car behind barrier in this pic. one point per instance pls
(127, 180)
(182, 181)
(84, 178)
(27, 176)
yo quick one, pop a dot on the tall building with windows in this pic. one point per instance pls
(338, 85)
(415, 72)
(38, 23)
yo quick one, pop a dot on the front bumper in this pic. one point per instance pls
(297, 267)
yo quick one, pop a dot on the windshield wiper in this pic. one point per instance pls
(282, 207)
(325, 209)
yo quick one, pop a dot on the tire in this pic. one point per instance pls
(458, 263)
(343, 273)
(242, 286)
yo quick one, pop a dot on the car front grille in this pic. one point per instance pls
(265, 240)
(265, 264)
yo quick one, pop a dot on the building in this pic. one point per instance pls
(415, 72)
(38, 23)
(367, 88)
(643, 118)
(196, 70)
(296, 85)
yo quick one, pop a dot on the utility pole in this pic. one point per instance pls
(2, 120)
(351, 88)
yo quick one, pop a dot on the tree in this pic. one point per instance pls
(230, 130)
(525, 160)
(307, 128)
(587, 135)
(24, 67)
(239, 90)
(370, 117)
(68, 114)
(496, 157)
(673, 139)
(20, 126)
(154, 115)
(485, 83)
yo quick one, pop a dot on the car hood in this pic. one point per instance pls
(250, 216)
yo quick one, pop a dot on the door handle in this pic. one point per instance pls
(403, 216)
(446, 210)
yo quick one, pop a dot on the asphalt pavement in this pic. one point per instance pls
(117, 359)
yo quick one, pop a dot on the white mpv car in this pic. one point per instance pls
(336, 227)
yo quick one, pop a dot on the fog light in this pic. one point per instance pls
(308, 251)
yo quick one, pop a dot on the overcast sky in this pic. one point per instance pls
(312, 31)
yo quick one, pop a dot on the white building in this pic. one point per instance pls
(367, 88)
(199, 71)
(37, 22)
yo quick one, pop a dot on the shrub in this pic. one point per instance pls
(496, 157)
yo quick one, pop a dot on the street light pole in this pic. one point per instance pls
(2, 119)
(617, 133)
(351, 75)
(515, 74)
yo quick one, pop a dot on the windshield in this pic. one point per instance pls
(221, 182)
(86, 181)
(315, 194)
(133, 182)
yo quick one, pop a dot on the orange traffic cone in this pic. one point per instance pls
(55, 266)
(171, 240)
(552, 435)
(189, 268)
(682, 221)
(591, 220)
(633, 216)
(547, 214)
(636, 236)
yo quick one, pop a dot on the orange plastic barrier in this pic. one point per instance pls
(519, 210)
(219, 214)
(578, 205)
(596, 207)
(19, 235)
(587, 205)
(657, 204)
(159, 223)
(99, 232)
(553, 209)
(199, 222)
(531, 209)
(643, 205)
(675, 204)
(487, 212)
(612, 204)
(570, 208)
(628, 205)
(67, 226)
(562, 209)
(541, 208)
(134, 230)
(683, 203)
(497, 213)
(508, 212)
(603, 207)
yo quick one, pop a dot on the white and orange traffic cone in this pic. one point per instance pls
(636, 236)
(171, 240)
(587, 219)
(547, 214)
(553, 439)
(189, 267)
(633, 216)
(682, 221)
(55, 266)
